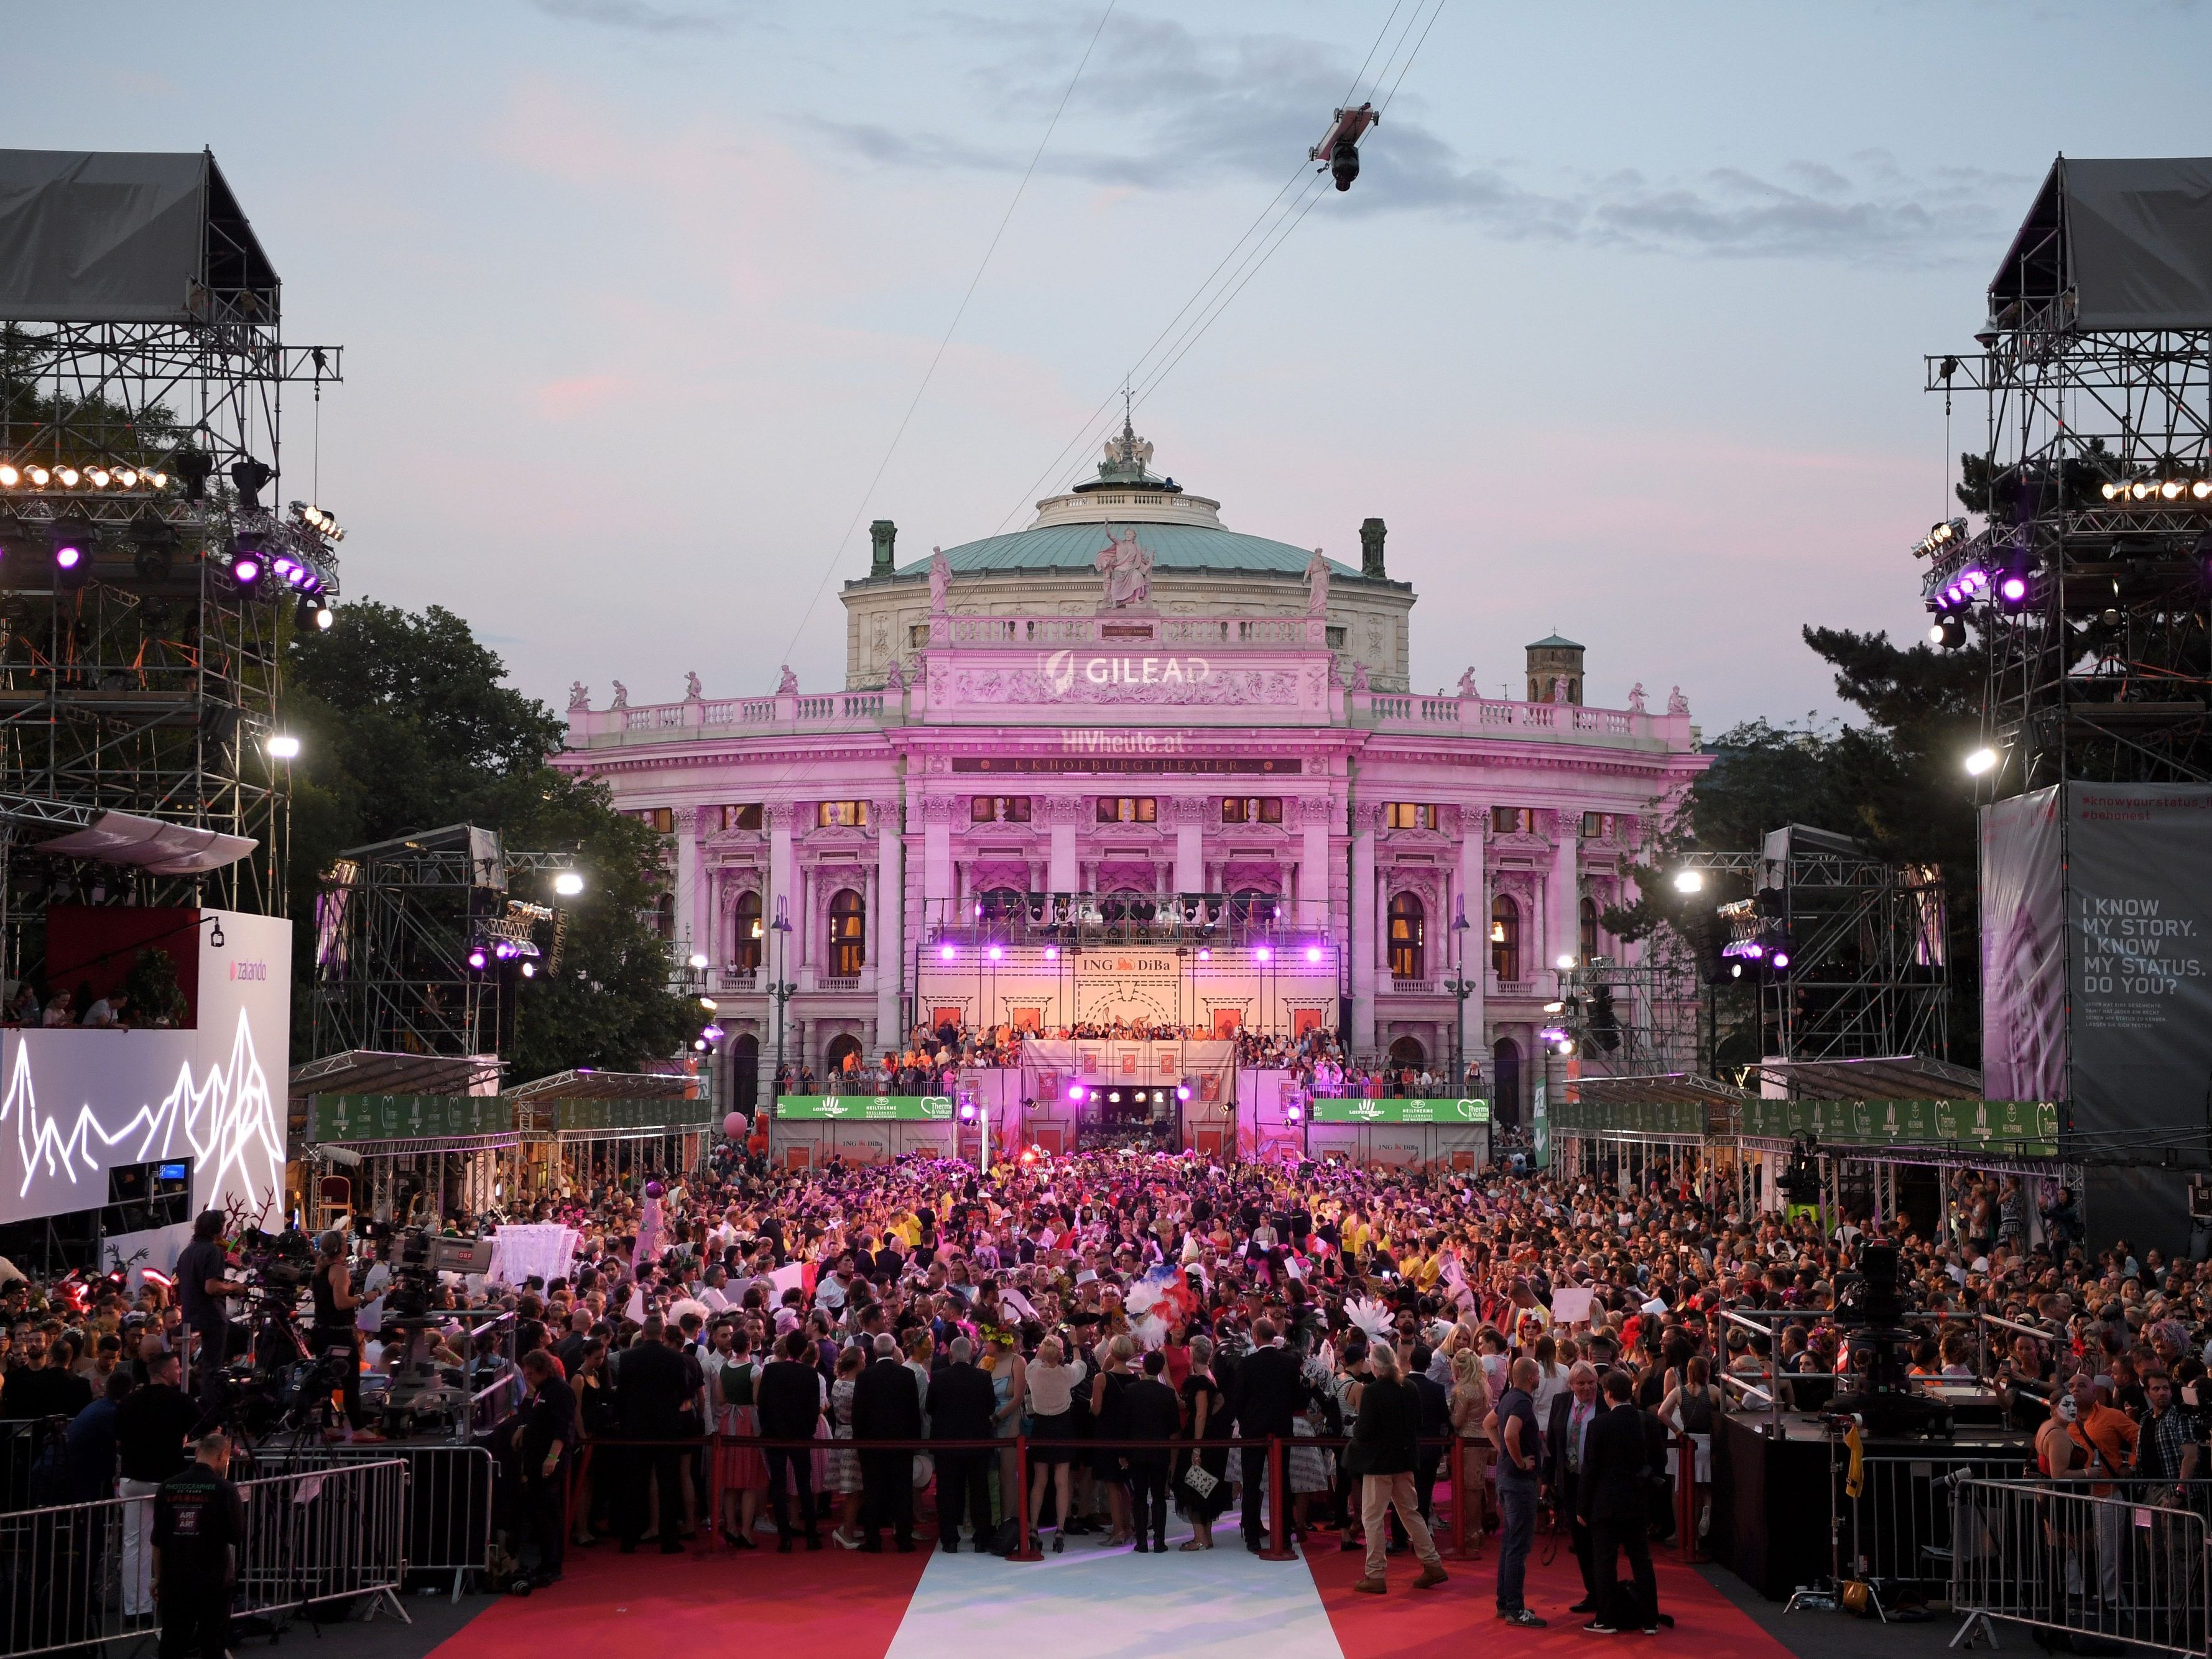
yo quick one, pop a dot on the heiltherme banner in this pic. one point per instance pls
(1327, 1109)
(2023, 946)
(2139, 910)
(864, 1108)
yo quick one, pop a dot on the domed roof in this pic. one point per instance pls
(1181, 531)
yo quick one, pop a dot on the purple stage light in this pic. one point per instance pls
(68, 555)
(1206, 953)
(1313, 953)
(2013, 590)
(966, 1111)
(1052, 953)
(1183, 1091)
(1263, 953)
(477, 959)
(1294, 1114)
(1075, 1092)
(1782, 959)
(995, 953)
(945, 953)
(245, 569)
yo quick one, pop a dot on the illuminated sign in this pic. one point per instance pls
(1327, 1109)
(865, 1108)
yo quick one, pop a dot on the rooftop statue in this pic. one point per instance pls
(1128, 568)
(1317, 584)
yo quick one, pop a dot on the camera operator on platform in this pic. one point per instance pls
(203, 1282)
(336, 1336)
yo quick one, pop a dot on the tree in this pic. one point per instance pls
(405, 725)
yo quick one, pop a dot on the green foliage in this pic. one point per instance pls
(405, 725)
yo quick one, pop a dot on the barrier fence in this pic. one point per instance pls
(446, 1518)
(74, 1575)
(2108, 1567)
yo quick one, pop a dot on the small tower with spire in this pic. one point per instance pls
(1553, 658)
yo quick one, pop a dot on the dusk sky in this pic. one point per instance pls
(1620, 328)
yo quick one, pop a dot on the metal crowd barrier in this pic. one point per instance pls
(21, 1442)
(2063, 1558)
(447, 1517)
(76, 1575)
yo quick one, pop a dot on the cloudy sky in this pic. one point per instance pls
(1620, 328)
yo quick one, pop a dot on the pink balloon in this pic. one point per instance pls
(734, 1125)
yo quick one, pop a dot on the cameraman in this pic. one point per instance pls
(203, 1285)
(336, 1337)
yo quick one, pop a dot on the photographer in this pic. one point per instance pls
(203, 1284)
(335, 1337)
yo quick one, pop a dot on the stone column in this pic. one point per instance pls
(1363, 816)
(690, 890)
(1062, 812)
(777, 952)
(1561, 910)
(1190, 843)
(1474, 898)
(888, 950)
(936, 858)
(1316, 816)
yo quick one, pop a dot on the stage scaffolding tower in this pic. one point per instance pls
(143, 679)
(2094, 484)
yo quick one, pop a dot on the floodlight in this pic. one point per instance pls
(530, 970)
(697, 961)
(1689, 881)
(38, 475)
(945, 953)
(10, 475)
(477, 958)
(98, 477)
(712, 1033)
(708, 1004)
(67, 477)
(1981, 761)
(995, 953)
(127, 477)
(1566, 964)
(1206, 953)
(1263, 953)
(568, 884)
(1782, 959)
(283, 746)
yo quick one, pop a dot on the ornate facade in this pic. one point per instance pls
(1127, 702)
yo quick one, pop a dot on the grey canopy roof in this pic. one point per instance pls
(2126, 244)
(106, 237)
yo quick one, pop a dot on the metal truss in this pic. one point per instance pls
(397, 923)
(1631, 1019)
(2102, 674)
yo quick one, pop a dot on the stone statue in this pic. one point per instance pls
(1676, 703)
(1360, 676)
(940, 580)
(1466, 683)
(1636, 698)
(1317, 584)
(1128, 568)
(787, 686)
(894, 681)
(692, 692)
(1558, 688)
(622, 696)
(579, 695)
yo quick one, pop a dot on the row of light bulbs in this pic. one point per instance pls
(2165, 489)
(38, 477)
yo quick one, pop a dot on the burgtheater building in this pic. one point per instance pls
(1131, 763)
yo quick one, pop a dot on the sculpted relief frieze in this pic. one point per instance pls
(1063, 677)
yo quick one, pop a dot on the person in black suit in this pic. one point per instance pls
(650, 1389)
(1269, 1393)
(886, 1406)
(961, 1407)
(1150, 1410)
(1614, 1504)
(1566, 1449)
(544, 1434)
(789, 1401)
(1436, 1425)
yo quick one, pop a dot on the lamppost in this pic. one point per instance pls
(1461, 988)
(781, 989)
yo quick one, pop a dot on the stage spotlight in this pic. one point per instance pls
(1206, 953)
(1689, 881)
(1555, 1007)
(1183, 1091)
(1981, 761)
(1294, 1114)
(1567, 1046)
(2202, 489)
(2140, 489)
(945, 953)
(245, 565)
(697, 961)
(1782, 959)
(568, 884)
(38, 476)
(1075, 1092)
(1313, 953)
(994, 953)
(2012, 590)
(478, 959)
(2171, 489)
(530, 970)
(127, 478)
(708, 1004)
(1052, 953)
(194, 471)
(285, 746)
(152, 554)
(67, 477)
(712, 1033)
(1263, 953)
(250, 477)
(99, 478)
(1566, 964)
(72, 555)
(1113, 1098)
(10, 475)
(285, 569)
(1949, 632)
(2109, 490)
(966, 1111)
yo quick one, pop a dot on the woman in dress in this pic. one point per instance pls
(1053, 1380)
(595, 1413)
(1470, 1406)
(1206, 1420)
(1108, 1429)
(742, 1472)
(842, 1476)
(1010, 1391)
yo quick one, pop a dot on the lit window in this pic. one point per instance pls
(1505, 938)
(661, 819)
(742, 818)
(999, 809)
(1252, 809)
(1509, 820)
(1128, 809)
(1410, 815)
(842, 814)
(1599, 826)
(1408, 936)
(848, 932)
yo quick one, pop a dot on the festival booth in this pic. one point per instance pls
(807, 1131)
(1621, 1130)
(1887, 1149)
(397, 1135)
(1277, 1119)
(577, 1129)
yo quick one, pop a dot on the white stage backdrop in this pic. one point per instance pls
(77, 1104)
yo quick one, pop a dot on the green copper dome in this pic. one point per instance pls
(1073, 547)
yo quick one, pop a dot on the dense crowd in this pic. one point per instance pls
(1135, 1314)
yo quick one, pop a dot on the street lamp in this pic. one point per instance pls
(1461, 988)
(782, 989)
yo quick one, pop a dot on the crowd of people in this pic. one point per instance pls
(1150, 1322)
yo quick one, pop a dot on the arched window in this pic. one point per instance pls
(744, 1072)
(745, 947)
(1590, 946)
(848, 932)
(1407, 1055)
(841, 1046)
(1408, 936)
(664, 916)
(1505, 938)
(1505, 1062)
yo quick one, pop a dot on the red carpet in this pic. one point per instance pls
(650, 1606)
(1420, 1624)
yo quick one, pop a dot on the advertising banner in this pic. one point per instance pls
(2023, 944)
(2016, 1128)
(595, 1116)
(342, 1118)
(1329, 1109)
(864, 1108)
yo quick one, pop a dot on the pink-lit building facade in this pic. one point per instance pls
(1126, 710)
